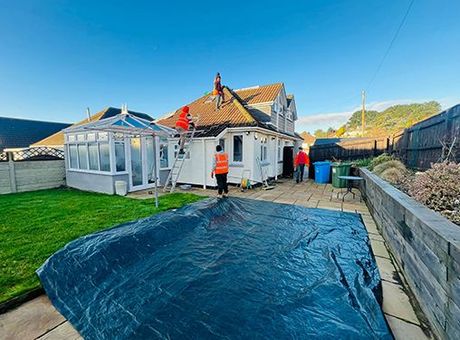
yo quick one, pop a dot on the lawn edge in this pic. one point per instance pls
(20, 299)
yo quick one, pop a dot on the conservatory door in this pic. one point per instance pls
(137, 178)
(149, 161)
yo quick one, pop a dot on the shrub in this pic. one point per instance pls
(393, 163)
(384, 157)
(393, 175)
(439, 189)
(362, 163)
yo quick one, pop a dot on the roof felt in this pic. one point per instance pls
(58, 137)
(21, 133)
(233, 113)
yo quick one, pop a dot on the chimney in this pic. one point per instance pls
(124, 109)
(88, 114)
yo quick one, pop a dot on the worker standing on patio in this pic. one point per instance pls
(183, 124)
(220, 169)
(300, 161)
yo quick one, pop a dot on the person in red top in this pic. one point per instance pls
(183, 124)
(218, 90)
(300, 161)
(220, 169)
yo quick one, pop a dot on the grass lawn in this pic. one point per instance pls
(34, 225)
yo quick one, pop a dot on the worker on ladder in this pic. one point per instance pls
(183, 124)
(300, 161)
(220, 169)
(218, 91)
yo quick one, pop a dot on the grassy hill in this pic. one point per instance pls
(391, 120)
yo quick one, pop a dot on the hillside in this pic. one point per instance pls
(393, 119)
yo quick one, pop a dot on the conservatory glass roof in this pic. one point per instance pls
(125, 123)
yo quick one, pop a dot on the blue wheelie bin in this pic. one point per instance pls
(322, 172)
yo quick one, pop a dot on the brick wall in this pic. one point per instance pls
(427, 248)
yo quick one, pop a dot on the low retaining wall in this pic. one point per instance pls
(31, 175)
(427, 248)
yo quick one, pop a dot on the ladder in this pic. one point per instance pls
(176, 168)
(263, 176)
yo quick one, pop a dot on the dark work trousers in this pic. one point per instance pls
(300, 171)
(222, 185)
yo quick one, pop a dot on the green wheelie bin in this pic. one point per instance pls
(340, 169)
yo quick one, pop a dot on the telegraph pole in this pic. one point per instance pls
(363, 112)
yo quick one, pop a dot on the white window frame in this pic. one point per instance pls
(233, 148)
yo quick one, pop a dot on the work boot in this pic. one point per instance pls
(181, 151)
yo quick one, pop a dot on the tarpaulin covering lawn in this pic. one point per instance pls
(34, 225)
(231, 268)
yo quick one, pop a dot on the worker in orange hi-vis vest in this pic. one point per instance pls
(183, 124)
(301, 161)
(220, 169)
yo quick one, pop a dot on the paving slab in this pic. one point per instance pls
(61, 332)
(403, 330)
(387, 270)
(30, 320)
(379, 249)
(396, 303)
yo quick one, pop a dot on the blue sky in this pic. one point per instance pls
(59, 57)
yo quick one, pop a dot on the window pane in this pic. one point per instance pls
(120, 156)
(103, 136)
(91, 137)
(73, 156)
(82, 156)
(237, 148)
(92, 150)
(163, 153)
(71, 138)
(104, 156)
(150, 153)
(222, 143)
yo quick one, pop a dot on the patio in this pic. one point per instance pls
(37, 319)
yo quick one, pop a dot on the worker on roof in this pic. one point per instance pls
(218, 91)
(220, 169)
(183, 124)
(300, 161)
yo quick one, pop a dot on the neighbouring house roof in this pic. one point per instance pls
(58, 137)
(233, 112)
(307, 137)
(20, 133)
(126, 123)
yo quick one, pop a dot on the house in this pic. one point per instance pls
(308, 140)
(21, 133)
(113, 145)
(255, 125)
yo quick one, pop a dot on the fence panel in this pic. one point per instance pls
(432, 140)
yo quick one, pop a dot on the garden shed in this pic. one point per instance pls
(124, 148)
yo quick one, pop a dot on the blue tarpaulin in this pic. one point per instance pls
(230, 268)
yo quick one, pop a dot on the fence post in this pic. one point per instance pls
(375, 147)
(13, 186)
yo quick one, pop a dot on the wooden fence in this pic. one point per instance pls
(432, 140)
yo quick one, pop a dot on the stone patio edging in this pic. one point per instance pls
(425, 245)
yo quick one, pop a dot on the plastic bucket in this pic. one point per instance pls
(340, 169)
(322, 172)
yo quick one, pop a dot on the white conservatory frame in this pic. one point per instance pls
(122, 128)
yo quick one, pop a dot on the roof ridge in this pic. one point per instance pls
(258, 86)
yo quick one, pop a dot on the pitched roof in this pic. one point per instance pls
(233, 113)
(258, 94)
(58, 137)
(20, 133)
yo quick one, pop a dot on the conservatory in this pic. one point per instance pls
(123, 148)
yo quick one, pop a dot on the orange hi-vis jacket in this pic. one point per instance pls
(221, 163)
(183, 121)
